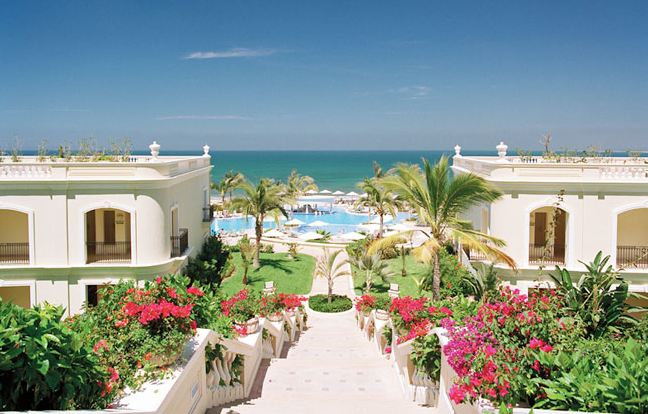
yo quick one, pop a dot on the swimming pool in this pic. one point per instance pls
(338, 221)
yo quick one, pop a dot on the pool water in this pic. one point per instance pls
(338, 221)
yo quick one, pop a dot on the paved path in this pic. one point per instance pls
(330, 369)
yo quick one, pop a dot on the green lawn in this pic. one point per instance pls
(406, 284)
(289, 276)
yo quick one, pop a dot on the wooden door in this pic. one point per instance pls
(539, 237)
(109, 226)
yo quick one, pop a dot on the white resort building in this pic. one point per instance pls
(67, 227)
(559, 211)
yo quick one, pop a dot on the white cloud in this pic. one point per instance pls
(204, 117)
(238, 52)
(414, 92)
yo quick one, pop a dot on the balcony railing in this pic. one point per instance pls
(546, 254)
(208, 213)
(14, 253)
(180, 243)
(632, 257)
(119, 251)
(475, 255)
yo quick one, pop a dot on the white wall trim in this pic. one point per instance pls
(571, 231)
(31, 284)
(30, 226)
(108, 204)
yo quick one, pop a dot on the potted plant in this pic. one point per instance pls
(365, 304)
(243, 308)
(291, 303)
(382, 304)
(272, 308)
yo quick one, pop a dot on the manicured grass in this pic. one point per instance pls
(338, 303)
(406, 284)
(289, 276)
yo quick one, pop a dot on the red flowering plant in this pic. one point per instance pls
(141, 328)
(495, 353)
(241, 307)
(290, 301)
(365, 303)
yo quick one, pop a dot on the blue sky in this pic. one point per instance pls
(327, 74)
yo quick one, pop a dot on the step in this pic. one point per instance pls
(325, 406)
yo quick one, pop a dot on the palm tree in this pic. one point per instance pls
(330, 268)
(372, 266)
(381, 200)
(440, 202)
(266, 199)
(297, 184)
(220, 186)
(247, 253)
(231, 181)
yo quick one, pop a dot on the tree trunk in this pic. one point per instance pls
(245, 278)
(223, 200)
(436, 278)
(380, 229)
(330, 290)
(368, 282)
(258, 228)
(403, 270)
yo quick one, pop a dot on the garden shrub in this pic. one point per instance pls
(614, 381)
(45, 365)
(426, 355)
(338, 303)
(212, 264)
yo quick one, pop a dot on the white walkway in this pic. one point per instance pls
(330, 369)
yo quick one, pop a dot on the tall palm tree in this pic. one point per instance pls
(441, 202)
(330, 268)
(378, 199)
(221, 188)
(297, 184)
(231, 181)
(266, 199)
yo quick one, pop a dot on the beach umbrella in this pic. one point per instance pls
(311, 235)
(325, 192)
(273, 233)
(294, 222)
(338, 193)
(370, 226)
(353, 235)
(311, 192)
(318, 223)
(353, 194)
(400, 227)
(363, 195)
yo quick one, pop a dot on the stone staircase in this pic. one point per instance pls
(330, 369)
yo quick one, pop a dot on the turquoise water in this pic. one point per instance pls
(332, 170)
(338, 221)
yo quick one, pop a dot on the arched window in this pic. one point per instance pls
(547, 236)
(108, 236)
(14, 237)
(632, 239)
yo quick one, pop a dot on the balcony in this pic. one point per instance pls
(14, 253)
(180, 243)
(632, 257)
(208, 213)
(108, 252)
(546, 254)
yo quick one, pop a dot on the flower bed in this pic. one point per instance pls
(339, 303)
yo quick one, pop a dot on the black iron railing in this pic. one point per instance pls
(14, 253)
(546, 254)
(180, 243)
(630, 257)
(118, 251)
(208, 213)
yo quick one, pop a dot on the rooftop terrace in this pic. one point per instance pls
(554, 169)
(131, 167)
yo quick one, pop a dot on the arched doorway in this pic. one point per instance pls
(108, 236)
(547, 236)
(632, 239)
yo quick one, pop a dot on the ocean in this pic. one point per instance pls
(332, 170)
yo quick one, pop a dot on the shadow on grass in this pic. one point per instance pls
(275, 263)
